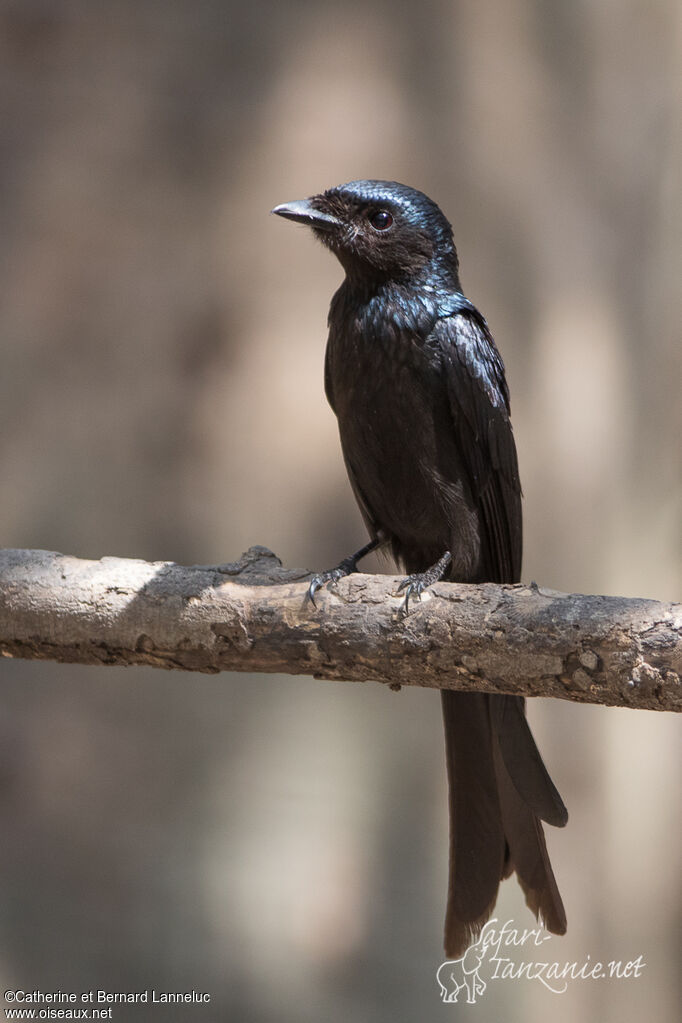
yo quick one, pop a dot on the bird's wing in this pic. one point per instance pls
(479, 403)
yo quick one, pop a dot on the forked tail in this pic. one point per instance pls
(499, 791)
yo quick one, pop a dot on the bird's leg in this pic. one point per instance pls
(345, 567)
(415, 584)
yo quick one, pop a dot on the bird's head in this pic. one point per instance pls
(379, 230)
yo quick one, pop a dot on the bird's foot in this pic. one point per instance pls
(415, 584)
(344, 568)
(320, 579)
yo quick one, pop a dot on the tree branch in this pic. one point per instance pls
(253, 615)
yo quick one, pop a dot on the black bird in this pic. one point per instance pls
(418, 386)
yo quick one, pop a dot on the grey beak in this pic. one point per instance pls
(302, 211)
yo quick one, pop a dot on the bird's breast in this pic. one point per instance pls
(391, 401)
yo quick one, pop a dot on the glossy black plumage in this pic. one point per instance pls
(419, 390)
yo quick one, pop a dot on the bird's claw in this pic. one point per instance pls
(321, 579)
(413, 586)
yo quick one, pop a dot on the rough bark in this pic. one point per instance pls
(253, 615)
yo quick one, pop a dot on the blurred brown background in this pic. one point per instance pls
(281, 843)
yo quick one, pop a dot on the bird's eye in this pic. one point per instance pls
(381, 220)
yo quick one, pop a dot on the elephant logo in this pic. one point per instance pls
(455, 975)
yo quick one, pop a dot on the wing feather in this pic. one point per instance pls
(479, 403)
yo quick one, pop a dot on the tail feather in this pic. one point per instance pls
(528, 851)
(477, 844)
(498, 789)
(523, 761)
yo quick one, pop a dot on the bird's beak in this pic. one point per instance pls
(303, 211)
